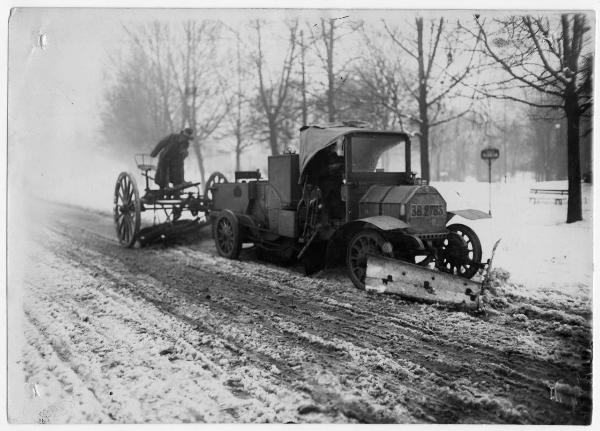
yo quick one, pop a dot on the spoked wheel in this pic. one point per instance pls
(461, 252)
(215, 178)
(363, 243)
(127, 209)
(227, 235)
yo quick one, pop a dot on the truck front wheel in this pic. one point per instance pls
(461, 252)
(363, 243)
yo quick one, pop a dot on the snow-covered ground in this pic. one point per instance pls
(178, 335)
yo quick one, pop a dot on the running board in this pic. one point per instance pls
(386, 275)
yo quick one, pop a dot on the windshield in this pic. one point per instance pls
(381, 153)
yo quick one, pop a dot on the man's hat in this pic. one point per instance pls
(189, 132)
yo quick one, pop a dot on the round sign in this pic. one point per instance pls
(490, 153)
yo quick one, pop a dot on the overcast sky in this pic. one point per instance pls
(55, 91)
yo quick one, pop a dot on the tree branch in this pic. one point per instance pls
(540, 52)
(432, 53)
(509, 69)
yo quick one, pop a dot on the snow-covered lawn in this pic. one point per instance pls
(538, 248)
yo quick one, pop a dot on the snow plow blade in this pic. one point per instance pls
(385, 275)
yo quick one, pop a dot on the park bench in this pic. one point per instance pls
(559, 195)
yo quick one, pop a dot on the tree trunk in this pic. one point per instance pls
(273, 143)
(238, 120)
(330, 103)
(199, 159)
(303, 69)
(424, 147)
(424, 125)
(330, 74)
(238, 146)
(438, 163)
(238, 153)
(547, 152)
(573, 161)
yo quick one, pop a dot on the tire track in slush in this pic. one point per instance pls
(358, 412)
(459, 368)
(127, 314)
(446, 361)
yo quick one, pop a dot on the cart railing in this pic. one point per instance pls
(144, 162)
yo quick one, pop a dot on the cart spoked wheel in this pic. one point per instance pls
(461, 252)
(363, 243)
(127, 209)
(215, 178)
(227, 235)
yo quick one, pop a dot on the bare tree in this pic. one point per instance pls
(324, 39)
(384, 79)
(171, 81)
(361, 102)
(198, 83)
(326, 36)
(546, 55)
(303, 90)
(437, 75)
(132, 116)
(274, 95)
(141, 102)
(237, 117)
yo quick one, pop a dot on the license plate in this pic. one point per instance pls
(424, 210)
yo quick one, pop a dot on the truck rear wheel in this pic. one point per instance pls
(227, 235)
(364, 242)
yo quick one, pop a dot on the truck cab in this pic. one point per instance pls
(348, 193)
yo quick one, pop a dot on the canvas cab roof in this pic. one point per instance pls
(314, 138)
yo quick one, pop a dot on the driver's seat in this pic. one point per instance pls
(144, 162)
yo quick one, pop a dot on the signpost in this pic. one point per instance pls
(490, 154)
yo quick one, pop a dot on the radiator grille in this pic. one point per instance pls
(431, 236)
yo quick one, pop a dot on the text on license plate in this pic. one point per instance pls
(422, 210)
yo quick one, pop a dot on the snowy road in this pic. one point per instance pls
(181, 335)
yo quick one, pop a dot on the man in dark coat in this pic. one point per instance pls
(172, 151)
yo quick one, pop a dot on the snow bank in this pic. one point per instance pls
(538, 248)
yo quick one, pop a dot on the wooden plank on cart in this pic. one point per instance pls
(385, 275)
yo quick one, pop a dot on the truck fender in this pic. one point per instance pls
(469, 214)
(385, 223)
(336, 245)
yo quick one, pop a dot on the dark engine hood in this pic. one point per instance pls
(422, 207)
